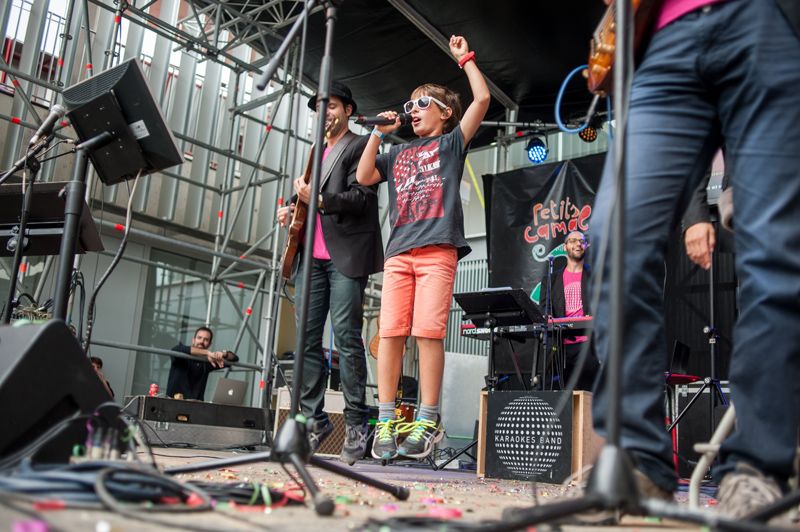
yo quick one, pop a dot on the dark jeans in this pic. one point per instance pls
(725, 75)
(591, 366)
(344, 297)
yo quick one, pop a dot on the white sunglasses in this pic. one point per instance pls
(423, 102)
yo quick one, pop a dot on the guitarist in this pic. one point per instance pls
(715, 73)
(347, 248)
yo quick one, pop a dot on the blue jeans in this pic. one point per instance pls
(728, 75)
(344, 297)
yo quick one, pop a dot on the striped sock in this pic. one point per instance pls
(428, 412)
(386, 411)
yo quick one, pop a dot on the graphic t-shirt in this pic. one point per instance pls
(424, 179)
(573, 300)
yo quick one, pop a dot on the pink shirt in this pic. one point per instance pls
(573, 300)
(672, 10)
(320, 248)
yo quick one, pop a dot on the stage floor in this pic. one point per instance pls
(458, 495)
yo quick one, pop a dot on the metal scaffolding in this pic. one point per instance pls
(242, 148)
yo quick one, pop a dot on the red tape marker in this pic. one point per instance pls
(119, 227)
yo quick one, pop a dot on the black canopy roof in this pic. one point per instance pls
(384, 49)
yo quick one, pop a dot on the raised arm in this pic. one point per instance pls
(481, 97)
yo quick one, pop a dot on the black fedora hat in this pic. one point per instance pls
(341, 91)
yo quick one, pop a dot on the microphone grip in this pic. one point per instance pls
(373, 121)
(405, 118)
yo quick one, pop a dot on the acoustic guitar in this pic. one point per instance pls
(599, 74)
(299, 216)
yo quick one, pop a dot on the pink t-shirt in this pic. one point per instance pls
(320, 248)
(672, 10)
(573, 300)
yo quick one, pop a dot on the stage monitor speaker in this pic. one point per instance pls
(45, 379)
(334, 407)
(524, 349)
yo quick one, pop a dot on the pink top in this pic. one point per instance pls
(573, 300)
(320, 248)
(672, 10)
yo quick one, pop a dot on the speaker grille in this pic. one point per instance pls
(332, 445)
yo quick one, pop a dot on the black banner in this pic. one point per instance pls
(531, 210)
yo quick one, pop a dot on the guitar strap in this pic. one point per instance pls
(333, 157)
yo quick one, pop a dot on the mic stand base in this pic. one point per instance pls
(612, 489)
(291, 446)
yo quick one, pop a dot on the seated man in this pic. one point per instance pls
(569, 293)
(97, 364)
(189, 377)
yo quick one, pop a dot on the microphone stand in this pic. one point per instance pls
(20, 241)
(76, 192)
(291, 442)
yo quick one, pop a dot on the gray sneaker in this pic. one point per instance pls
(355, 443)
(745, 490)
(384, 442)
(318, 431)
(422, 435)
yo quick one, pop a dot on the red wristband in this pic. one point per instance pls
(469, 56)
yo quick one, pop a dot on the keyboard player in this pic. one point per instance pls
(570, 299)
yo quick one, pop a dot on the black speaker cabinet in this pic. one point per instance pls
(695, 426)
(45, 378)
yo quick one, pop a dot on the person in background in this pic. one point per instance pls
(97, 364)
(570, 299)
(189, 377)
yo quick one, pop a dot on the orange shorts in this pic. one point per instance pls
(417, 291)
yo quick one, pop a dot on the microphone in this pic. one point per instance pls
(405, 118)
(49, 124)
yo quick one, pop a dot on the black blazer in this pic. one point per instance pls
(350, 216)
(557, 292)
(791, 9)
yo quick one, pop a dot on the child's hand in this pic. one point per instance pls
(458, 46)
(391, 115)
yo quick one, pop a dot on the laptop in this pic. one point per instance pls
(229, 392)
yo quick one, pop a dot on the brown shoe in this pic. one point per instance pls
(649, 489)
(646, 487)
(744, 491)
